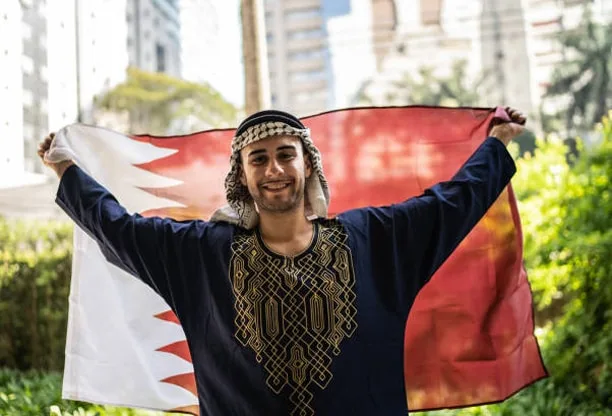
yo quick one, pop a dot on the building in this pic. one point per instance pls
(56, 58)
(23, 86)
(321, 51)
(427, 34)
(547, 19)
(297, 55)
(154, 35)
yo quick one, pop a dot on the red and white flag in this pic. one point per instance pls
(469, 337)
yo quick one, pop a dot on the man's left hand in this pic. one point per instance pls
(509, 130)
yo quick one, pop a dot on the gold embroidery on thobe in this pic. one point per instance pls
(294, 313)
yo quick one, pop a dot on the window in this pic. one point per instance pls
(306, 54)
(302, 14)
(305, 34)
(160, 56)
(307, 76)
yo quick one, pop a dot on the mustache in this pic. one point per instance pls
(275, 181)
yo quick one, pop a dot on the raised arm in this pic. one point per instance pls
(161, 252)
(410, 240)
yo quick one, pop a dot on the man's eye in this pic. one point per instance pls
(285, 156)
(258, 160)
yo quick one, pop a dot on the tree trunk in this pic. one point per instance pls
(253, 99)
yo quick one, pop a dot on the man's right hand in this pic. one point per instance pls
(59, 167)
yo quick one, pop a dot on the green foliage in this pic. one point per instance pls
(160, 104)
(585, 77)
(35, 264)
(36, 393)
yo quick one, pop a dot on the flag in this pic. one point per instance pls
(469, 337)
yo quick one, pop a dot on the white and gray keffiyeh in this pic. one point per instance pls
(241, 208)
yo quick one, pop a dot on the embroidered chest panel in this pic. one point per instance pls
(294, 313)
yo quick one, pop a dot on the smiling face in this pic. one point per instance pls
(275, 170)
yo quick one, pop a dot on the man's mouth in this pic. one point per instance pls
(276, 186)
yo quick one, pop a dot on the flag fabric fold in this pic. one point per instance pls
(469, 336)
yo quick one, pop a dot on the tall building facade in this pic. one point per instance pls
(320, 51)
(298, 58)
(23, 85)
(57, 56)
(154, 35)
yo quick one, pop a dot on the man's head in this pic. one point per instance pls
(275, 170)
(276, 165)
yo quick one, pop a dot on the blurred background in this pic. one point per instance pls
(171, 67)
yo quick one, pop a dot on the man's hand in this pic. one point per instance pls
(59, 167)
(507, 131)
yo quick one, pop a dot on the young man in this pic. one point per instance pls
(286, 311)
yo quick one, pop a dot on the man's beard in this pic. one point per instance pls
(279, 206)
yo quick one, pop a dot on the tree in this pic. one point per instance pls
(585, 77)
(157, 103)
(252, 56)
(425, 88)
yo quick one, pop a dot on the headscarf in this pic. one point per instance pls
(241, 209)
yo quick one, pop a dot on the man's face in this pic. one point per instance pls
(275, 171)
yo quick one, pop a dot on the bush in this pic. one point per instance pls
(35, 393)
(35, 265)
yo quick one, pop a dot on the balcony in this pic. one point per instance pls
(299, 65)
(301, 44)
(301, 4)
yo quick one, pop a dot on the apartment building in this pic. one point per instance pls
(23, 87)
(298, 59)
(154, 35)
(321, 51)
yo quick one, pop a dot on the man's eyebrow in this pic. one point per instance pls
(286, 147)
(256, 151)
(283, 147)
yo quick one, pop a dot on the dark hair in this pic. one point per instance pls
(267, 116)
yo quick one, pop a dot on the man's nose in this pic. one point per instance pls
(273, 168)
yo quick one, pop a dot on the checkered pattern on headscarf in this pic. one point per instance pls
(241, 207)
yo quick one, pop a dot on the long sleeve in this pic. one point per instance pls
(161, 252)
(409, 241)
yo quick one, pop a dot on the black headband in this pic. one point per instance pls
(269, 116)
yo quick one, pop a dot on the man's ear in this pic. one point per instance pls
(242, 176)
(307, 166)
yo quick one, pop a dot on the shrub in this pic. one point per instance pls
(35, 393)
(35, 264)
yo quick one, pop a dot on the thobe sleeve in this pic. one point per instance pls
(407, 242)
(161, 252)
